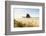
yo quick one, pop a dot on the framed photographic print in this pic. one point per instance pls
(24, 17)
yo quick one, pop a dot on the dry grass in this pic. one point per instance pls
(26, 22)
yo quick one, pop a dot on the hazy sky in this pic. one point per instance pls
(21, 12)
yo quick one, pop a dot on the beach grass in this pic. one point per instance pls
(26, 22)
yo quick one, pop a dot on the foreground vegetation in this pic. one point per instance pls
(29, 22)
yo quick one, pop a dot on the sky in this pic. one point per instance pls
(21, 12)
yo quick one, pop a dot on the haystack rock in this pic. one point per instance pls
(27, 16)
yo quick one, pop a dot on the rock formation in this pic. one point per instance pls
(27, 16)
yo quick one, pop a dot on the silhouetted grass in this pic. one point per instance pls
(27, 23)
(18, 24)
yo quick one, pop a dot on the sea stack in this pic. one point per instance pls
(27, 16)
